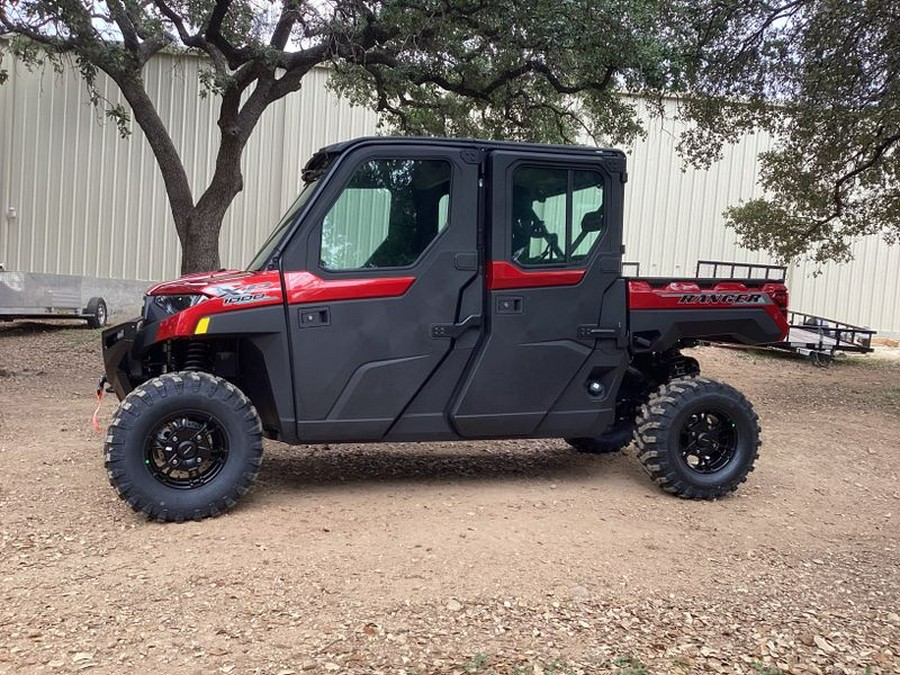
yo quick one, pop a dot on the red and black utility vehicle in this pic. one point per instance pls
(423, 290)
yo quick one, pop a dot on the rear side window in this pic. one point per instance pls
(557, 214)
(387, 215)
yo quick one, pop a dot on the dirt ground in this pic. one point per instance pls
(489, 557)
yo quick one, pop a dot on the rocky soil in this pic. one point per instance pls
(489, 557)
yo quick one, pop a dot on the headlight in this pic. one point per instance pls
(158, 307)
(172, 304)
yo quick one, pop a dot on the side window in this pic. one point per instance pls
(386, 215)
(557, 214)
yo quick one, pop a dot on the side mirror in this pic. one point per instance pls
(592, 221)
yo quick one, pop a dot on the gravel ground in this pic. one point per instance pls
(496, 557)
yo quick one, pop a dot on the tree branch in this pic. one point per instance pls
(837, 196)
(282, 32)
(187, 38)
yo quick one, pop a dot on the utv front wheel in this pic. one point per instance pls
(697, 438)
(183, 446)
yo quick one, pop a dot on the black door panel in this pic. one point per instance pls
(531, 374)
(356, 375)
(358, 363)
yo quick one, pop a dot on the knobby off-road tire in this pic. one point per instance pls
(183, 446)
(697, 438)
(617, 438)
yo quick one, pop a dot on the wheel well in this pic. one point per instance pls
(238, 360)
(647, 372)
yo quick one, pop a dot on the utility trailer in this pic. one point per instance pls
(815, 337)
(29, 295)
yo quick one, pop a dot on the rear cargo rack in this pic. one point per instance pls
(810, 335)
(723, 269)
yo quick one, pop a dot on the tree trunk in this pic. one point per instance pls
(198, 229)
(199, 237)
(199, 224)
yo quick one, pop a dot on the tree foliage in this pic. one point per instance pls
(820, 75)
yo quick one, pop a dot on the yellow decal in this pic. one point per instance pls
(202, 326)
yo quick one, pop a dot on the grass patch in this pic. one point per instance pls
(78, 337)
(630, 665)
(891, 395)
(478, 663)
(879, 397)
(482, 664)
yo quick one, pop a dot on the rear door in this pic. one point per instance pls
(375, 277)
(553, 287)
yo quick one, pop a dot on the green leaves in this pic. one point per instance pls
(826, 77)
(537, 70)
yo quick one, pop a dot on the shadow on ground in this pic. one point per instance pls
(24, 328)
(295, 468)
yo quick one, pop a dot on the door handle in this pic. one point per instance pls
(510, 304)
(313, 317)
(454, 330)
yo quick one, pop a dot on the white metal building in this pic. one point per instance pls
(77, 199)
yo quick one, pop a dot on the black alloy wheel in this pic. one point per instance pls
(708, 441)
(186, 450)
(183, 446)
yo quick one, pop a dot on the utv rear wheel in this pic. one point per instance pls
(183, 446)
(698, 438)
(617, 438)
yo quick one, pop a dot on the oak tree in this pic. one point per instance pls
(820, 75)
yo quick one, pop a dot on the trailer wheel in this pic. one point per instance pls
(697, 438)
(183, 446)
(97, 316)
(617, 438)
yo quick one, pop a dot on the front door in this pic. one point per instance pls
(381, 271)
(553, 288)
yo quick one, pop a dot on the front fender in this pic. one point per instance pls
(118, 344)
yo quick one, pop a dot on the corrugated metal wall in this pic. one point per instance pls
(89, 203)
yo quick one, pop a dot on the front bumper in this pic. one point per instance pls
(119, 362)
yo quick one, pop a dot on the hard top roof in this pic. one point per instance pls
(469, 143)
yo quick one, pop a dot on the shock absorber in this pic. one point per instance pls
(198, 357)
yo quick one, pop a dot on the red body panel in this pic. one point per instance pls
(307, 287)
(689, 295)
(234, 290)
(191, 284)
(504, 275)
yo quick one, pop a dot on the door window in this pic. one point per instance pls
(387, 215)
(557, 214)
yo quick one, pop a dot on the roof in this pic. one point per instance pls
(470, 143)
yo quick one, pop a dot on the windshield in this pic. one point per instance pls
(286, 220)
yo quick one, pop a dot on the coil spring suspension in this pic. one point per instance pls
(198, 357)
